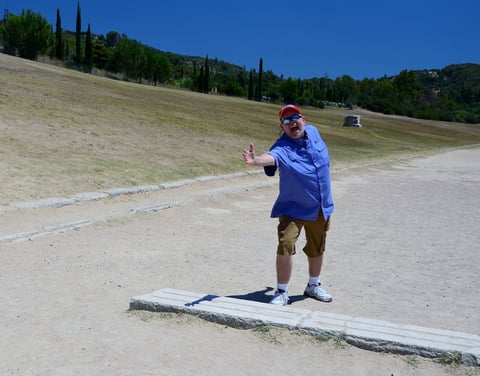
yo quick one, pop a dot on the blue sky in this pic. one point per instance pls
(298, 39)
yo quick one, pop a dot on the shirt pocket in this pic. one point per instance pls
(320, 154)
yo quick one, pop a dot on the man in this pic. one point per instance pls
(304, 200)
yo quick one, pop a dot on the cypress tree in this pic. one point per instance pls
(201, 80)
(260, 78)
(58, 38)
(88, 50)
(78, 36)
(206, 76)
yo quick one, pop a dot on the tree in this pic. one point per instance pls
(88, 50)
(157, 66)
(128, 57)
(138, 61)
(232, 87)
(366, 92)
(270, 85)
(289, 90)
(201, 80)
(407, 91)
(344, 89)
(242, 81)
(28, 35)
(260, 77)
(78, 36)
(206, 76)
(100, 54)
(58, 37)
(11, 34)
(113, 38)
(385, 97)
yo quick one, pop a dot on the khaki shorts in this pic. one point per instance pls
(315, 233)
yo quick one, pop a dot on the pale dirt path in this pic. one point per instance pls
(403, 248)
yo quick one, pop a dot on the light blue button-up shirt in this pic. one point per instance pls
(304, 168)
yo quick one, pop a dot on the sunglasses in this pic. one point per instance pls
(290, 119)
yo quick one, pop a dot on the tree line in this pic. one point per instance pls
(448, 94)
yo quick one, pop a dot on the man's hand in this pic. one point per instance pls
(249, 155)
(251, 158)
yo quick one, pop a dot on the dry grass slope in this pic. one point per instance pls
(65, 132)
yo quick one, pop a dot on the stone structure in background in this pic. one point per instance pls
(352, 121)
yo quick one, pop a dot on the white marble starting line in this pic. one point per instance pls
(375, 335)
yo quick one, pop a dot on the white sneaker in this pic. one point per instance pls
(317, 292)
(280, 298)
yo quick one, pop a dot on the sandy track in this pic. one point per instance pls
(403, 247)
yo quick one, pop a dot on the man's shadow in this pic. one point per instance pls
(264, 296)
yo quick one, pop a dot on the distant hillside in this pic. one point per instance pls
(448, 94)
(453, 77)
(455, 91)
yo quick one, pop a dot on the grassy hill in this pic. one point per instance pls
(65, 132)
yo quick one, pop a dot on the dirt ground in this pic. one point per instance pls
(403, 247)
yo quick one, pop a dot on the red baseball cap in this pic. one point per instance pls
(289, 108)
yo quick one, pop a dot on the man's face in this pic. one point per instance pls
(292, 124)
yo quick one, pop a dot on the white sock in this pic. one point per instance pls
(282, 286)
(314, 281)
